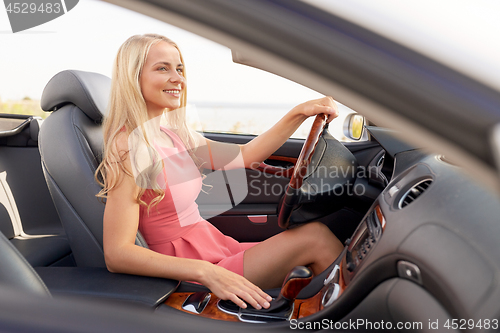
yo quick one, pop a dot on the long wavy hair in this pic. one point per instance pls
(127, 112)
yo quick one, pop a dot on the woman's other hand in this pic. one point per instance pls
(324, 105)
(231, 286)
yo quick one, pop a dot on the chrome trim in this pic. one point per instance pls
(495, 138)
(393, 190)
(381, 160)
(188, 306)
(224, 310)
(335, 295)
(15, 130)
(332, 274)
(346, 126)
(410, 271)
(250, 321)
(411, 188)
(442, 158)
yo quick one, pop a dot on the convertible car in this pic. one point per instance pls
(416, 204)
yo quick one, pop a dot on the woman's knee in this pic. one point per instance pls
(316, 229)
(315, 234)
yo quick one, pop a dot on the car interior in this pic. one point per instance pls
(420, 234)
(388, 215)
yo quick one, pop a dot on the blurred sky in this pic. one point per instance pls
(88, 37)
(461, 33)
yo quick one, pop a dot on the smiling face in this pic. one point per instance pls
(162, 81)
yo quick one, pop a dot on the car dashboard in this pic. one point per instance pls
(425, 251)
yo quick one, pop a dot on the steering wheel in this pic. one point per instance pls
(292, 195)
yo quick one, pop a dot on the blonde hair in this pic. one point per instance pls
(127, 112)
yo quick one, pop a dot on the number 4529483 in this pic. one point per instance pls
(31, 8)
(462, 324)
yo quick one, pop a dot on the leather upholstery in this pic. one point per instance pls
(43, 251)
(98, 283)
(71, 144)
(88, 91)
(16, 272)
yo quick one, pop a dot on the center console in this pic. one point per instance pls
(326, 291)
(362, 242)
(99, 283)
(300, 295)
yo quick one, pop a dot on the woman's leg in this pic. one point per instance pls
(267, 263)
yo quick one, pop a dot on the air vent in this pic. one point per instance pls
(413, 193)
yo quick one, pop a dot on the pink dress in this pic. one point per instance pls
(175, 227)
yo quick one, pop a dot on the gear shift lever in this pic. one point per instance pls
(282, 307)
(295, 281)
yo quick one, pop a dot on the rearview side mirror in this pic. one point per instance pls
(354, 126)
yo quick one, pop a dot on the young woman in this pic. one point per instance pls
(149, 81)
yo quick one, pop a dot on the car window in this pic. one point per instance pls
(255, 118)
(222, 96)
(23, 106)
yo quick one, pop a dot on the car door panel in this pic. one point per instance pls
(265, 189)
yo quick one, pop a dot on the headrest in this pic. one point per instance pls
(88, 91)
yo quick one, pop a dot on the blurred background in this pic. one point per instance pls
(227, 97)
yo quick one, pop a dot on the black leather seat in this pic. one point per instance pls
(17, 275)
(16, 272)
(71, 144)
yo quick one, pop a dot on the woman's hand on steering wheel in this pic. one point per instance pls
(228, 285)
(325, 110)
(325, 105)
